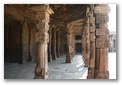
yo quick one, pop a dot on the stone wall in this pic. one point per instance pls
(20, 45)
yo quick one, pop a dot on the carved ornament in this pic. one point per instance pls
(102, 9)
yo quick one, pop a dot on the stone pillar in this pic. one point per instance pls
(42, 37)
(24, 41)
(87, 39)
(61, 42)
(58, 44)
(102, 41)
(54, 56)
(84, 44)
(49, 45)
(61, 45)
(92, 45)
(69, 44)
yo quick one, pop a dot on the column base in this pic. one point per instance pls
(101, 75)
(68, 58)
(90, 74)
(86, 63)
(40, 73)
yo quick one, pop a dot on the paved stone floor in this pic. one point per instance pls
(58, 69)
(61, 70)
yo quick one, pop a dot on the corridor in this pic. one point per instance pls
(58, 69)
(61, 70)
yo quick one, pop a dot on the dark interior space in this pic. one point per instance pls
(12, 48)
(78, 47)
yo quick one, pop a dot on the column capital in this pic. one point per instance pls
(102, 9)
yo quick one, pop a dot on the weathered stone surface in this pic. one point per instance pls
(101, 31)
(102, 9)
(102, 43)
(101, 18)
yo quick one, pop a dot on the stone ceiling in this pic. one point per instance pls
(63, 13)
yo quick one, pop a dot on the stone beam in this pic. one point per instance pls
(19, 11)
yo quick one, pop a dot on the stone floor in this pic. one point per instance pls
(58, 69)
(61, 70)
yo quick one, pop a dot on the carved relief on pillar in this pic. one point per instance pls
(102, 42)
(69, 43)
(101, 31)
(103, 25)
(86, 42)
(91, 19)
(92, 36)
(42, 37)
(92, 44)
(92, 28)
(101, 18)
(39, 36)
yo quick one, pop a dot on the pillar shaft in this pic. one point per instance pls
(54, 56)
(42, 37)
(92, 45)
(87, 39)
(58, 45)
(102, 42)
(49, 46)
(69, 44)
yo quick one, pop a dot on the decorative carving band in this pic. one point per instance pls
(103, 25)
(39, 37)
(101, 31)
(101, 18)
(92, 20)
(92, 28)
(92, 36)
(102, 43)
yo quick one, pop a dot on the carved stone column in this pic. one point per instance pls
(87, 39)
(49, 46)
(57, 41)
(61, 44)
(92, 44)
(24, 41)
(84, 44)
(58, 45)
(54, 56)
(102, 41)
(69, 44)
(42, 37)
